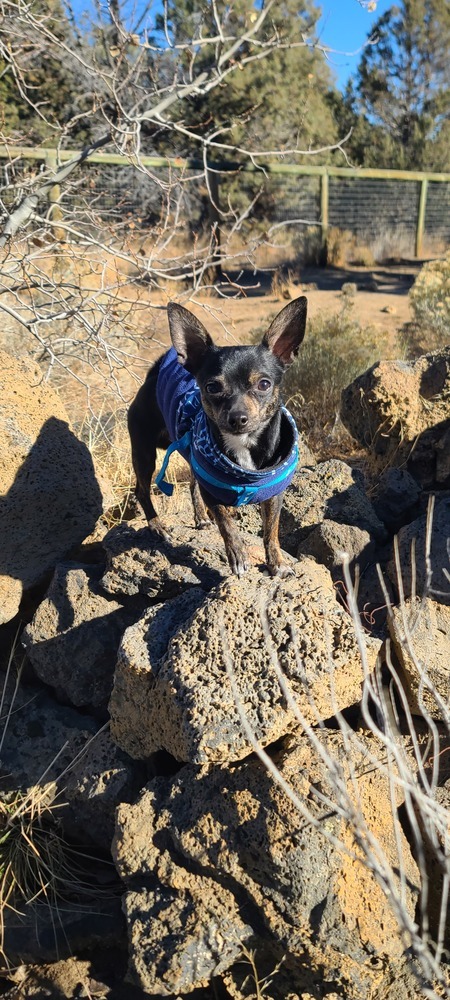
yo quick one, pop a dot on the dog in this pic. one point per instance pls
(221, 408)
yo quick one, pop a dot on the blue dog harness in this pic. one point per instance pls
(179, 400)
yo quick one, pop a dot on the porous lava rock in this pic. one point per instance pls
(74, 636)
(173, 688)
(331, 491)
(400, 411)
(140, 562)
(218, 846)
(396, 498)
(420, 633)
(423, 563)
(330, 543)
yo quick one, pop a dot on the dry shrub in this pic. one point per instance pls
(430, 301)
(362, 256)
(336, 349)
(285, 284)
(340, 246)
(309, 246)
(392, 244)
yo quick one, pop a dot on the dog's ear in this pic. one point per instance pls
(287, 330)
(189, 337)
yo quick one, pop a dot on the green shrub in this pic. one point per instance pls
(430, 301)
(336, 349)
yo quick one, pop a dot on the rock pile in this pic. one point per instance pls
(296, 851)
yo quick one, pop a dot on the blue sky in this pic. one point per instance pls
(345, 25)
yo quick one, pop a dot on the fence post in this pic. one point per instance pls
(215, 271)
(54, 195)
(324, 216)
(421, 216)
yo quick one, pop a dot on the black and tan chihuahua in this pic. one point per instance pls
(241, 409)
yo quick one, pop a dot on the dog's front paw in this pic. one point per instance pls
(238, 560)
(281, 570)
(158, 529)
(203, 524)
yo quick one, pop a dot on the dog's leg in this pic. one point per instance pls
(235, 550)
(270, 513)
(143, 453)
(200, 512)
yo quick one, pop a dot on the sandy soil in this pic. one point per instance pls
(381, 301)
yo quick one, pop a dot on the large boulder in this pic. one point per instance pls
(50, 497)
(228, 848)
(74, 636)
(400, 411)
(172, 689)
(140, 562)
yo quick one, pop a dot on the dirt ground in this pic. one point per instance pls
(381, 301)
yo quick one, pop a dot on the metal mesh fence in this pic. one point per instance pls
(369, 207)
(293, 197)
(113, 195)
(437, 214)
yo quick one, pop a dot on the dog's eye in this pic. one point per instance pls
(213, 388)
(264, 384)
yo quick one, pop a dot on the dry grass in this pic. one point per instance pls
(340, 245)
(336, 349)
(285, 285)
(106, 436)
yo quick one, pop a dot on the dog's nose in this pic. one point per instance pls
(237, 421)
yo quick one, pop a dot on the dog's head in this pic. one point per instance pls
(239, 386)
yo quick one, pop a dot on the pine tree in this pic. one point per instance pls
(279, 102)
(39, 88)
(400, 98)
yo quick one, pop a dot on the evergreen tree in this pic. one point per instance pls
(39, 88)
(279, 102)
(400, 99)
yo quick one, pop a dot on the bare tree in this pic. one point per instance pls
(82, 266)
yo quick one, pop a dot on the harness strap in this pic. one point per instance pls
(243, 494)
(183, 444)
